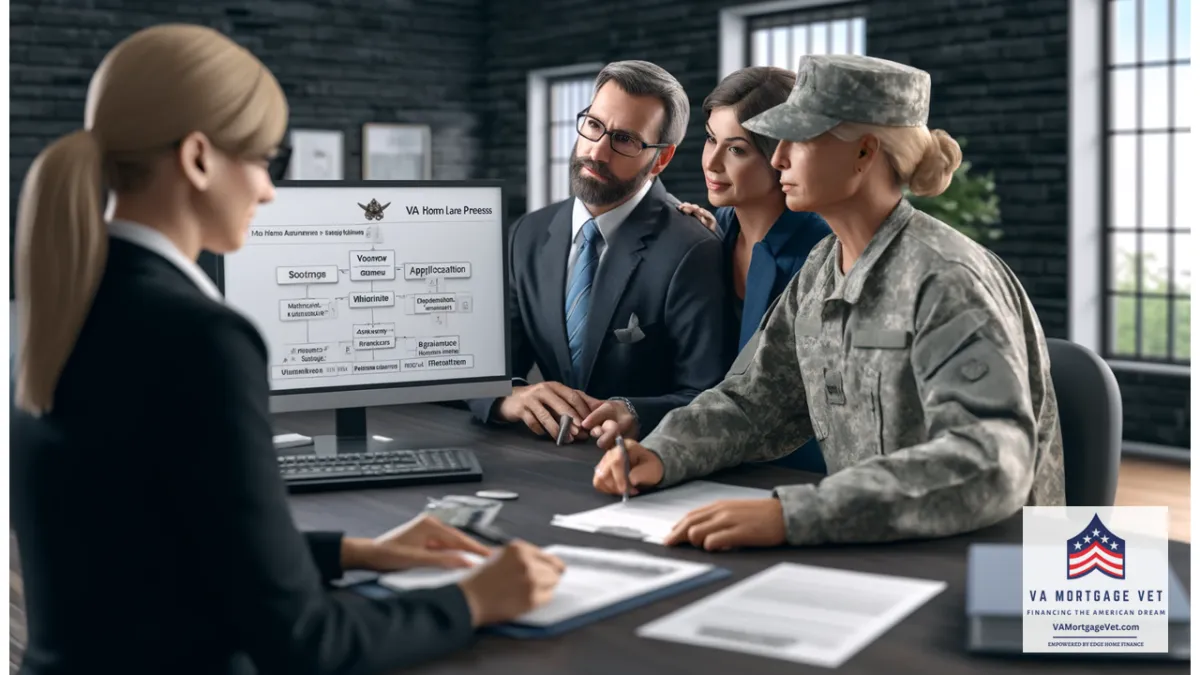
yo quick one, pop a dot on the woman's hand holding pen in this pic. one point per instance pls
(645, 469)
(520, 579)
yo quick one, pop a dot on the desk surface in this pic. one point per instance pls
(553, 480)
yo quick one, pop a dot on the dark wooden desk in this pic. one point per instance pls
(553, 480)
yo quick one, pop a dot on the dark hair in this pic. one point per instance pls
(642, 78)
(752, 91)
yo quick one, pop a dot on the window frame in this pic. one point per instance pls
(734, 34)
(1089, 210)
(1139, 131)
(538, 145)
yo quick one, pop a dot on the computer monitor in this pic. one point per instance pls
(375, 293)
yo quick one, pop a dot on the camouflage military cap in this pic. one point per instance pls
(835, 88)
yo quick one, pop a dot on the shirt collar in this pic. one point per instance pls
(157, 242)
(608, 221)
(850, 286)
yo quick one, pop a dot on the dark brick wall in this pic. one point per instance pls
(340, 64)
(1157, 408)
(999, 70)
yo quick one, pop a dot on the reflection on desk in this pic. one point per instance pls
(552, 479)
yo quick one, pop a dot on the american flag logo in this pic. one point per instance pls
(1095, 549)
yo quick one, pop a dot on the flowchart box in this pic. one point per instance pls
(434, 303)
(374, 330)
(438, 346)
(305, 309)
(376, 367)
(451, 270)
(369, 344)
(368, 299)
(373, 259)
(307, 274)
(290, 372)
(372, 265)
(439, 362)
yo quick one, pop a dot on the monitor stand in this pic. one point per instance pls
(350, 435)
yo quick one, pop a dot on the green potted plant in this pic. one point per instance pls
(969, 204)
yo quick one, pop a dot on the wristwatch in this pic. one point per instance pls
(628, 406)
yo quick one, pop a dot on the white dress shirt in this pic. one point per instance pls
(157, 242)
(606, 224)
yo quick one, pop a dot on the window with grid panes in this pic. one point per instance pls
(1147, 243)
(568, 97)
(780, 39)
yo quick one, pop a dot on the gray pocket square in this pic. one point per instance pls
(633, 333)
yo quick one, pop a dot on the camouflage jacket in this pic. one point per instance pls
(924, 375)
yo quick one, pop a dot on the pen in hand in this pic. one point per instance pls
(625, 466)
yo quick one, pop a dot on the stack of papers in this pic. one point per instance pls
(797, 613)
(594, 579)
(651, 517)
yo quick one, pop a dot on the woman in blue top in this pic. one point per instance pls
(765, 243)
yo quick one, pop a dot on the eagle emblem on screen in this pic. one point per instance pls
(373, 211)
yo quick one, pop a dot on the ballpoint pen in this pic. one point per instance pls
(625, 462)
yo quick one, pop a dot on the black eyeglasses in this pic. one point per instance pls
(278, 166)
(622, 142)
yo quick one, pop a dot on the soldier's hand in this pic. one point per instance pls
(609, 420)
(541, 405)
(645, 469)
(702, 215)
(732, 523)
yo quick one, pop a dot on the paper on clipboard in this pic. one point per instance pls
(650, 517)
(594, 579)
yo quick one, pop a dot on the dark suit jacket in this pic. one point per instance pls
(153, 526)
(662, 266)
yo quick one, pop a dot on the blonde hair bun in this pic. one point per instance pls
(936, 169)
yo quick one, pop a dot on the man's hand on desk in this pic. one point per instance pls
(645, 468)
(541, 405)
(609, 420)
(421, 542)
(732, 523)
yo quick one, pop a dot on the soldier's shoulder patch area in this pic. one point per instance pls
(973, 369)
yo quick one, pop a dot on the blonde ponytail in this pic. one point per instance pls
(61, 248)
(151, 90)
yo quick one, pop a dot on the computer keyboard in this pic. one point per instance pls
(389, 468)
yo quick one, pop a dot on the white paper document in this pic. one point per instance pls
(651, 517)
(594, 579)
(813, 615)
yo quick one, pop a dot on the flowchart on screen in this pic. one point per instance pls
(385, 301)
(396, 312)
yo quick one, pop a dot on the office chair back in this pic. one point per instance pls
(1090, 413)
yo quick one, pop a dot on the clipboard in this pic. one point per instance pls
(374, 590)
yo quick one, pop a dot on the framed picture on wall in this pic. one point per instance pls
(397, 152)
(316, 155)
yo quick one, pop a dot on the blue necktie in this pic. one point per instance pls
(579, 295)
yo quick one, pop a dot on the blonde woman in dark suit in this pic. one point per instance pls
(152, 522)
